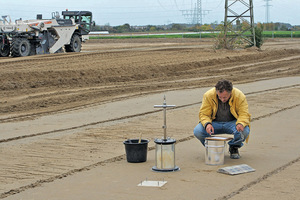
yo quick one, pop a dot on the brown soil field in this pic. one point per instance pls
(107, 70)
(117, 71)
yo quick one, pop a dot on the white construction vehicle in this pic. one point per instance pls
(43, 36)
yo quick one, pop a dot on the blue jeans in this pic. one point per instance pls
(221, 128)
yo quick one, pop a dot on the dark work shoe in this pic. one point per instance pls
(234, 152)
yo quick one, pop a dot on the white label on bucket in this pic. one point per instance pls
(152, 183)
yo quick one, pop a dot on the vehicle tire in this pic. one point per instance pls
(20, 47)
(5, 51)
(75, 44)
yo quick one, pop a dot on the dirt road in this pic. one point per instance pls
(44, 87)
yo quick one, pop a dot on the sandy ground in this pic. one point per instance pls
(64, 118)
(276, 175)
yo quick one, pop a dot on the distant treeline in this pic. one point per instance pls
(126, 28)
(213, 34)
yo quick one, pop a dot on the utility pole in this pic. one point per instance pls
(196, 14)
(267, 11)
(239, 22)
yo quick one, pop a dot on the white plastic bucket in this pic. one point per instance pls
(215, 152)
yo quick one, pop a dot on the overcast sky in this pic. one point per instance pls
(149, 12)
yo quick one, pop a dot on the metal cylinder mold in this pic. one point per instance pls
(165, 155)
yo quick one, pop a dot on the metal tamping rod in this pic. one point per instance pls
(164, 106)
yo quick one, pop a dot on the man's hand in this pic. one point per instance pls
(239, 127)
(210, 129)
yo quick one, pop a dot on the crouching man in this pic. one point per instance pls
(224, 109)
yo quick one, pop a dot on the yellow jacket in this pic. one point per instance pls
(237, 102)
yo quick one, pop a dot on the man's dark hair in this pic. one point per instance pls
(224, 85)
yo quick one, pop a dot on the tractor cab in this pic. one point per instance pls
(83, 18)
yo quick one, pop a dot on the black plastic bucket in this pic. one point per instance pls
(136, 152)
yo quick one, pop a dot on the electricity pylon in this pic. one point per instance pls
(241, 13)
(267, 11)
(196, 14)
